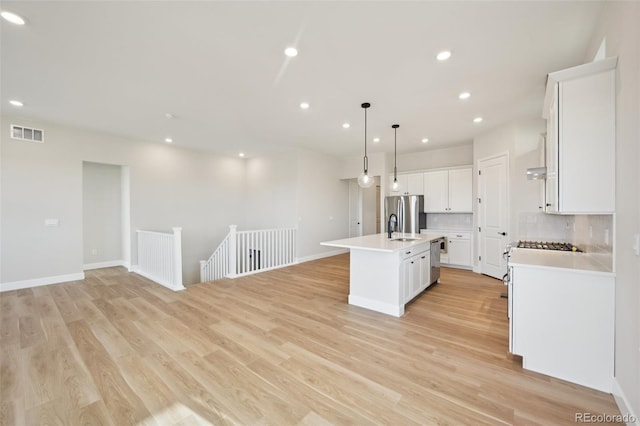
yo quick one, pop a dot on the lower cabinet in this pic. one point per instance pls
(459, 249)
(415, 274)
(561, 322)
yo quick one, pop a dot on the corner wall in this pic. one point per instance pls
(619, 27)
(299, 189)
(169, 186)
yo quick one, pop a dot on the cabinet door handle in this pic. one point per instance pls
(423, 257)
(502, 233)
(408, 252)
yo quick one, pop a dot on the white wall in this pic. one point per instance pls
(299, 189)
(101, 213)
(435, 158)
(619, 25)
(169, 187)
(323, 203)
(271, 191)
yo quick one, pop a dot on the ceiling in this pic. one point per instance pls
(219, 68)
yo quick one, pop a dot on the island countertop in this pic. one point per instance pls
(382, 243)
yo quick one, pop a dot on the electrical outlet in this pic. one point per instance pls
(94, 252)
(606, 237)
(51, 222)
(590, 231)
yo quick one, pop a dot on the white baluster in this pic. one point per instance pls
(177, 257)
(233, 267)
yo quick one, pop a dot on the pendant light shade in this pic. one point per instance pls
(395, 156)
(364, 180)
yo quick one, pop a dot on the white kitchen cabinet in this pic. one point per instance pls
(562, 323)
(415, 184)
(448, 191)
(408, 184)
(459, 249)
(580, 145)
(415, 272)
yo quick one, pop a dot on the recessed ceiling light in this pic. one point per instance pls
(168, 140)
(464, 95)
(477, 120)
(444, 55)
(376, 140)
(16, 103)
(346, 125)
(304, 105)
(12, 17)
(241, 154)
(291, 52)
(425, 140)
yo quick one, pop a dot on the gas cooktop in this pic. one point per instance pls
(539, 245)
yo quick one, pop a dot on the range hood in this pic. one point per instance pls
(537, 173)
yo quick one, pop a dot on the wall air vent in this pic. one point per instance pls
(27, 134)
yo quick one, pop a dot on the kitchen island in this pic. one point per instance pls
(386, 273)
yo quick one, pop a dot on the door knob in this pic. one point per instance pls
(502, 233)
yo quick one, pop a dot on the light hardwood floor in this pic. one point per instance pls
(281, 347)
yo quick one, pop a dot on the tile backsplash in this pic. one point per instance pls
(450, 221)
(544, 227)
(591, 233)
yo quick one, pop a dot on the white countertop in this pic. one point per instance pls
(381, 242)
(557, 259)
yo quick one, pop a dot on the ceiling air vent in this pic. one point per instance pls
(27, 134)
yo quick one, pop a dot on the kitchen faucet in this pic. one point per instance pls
(391, 224)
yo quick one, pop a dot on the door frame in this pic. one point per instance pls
(353, 183)
(477, 216)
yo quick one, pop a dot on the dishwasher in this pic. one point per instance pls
(435, 260)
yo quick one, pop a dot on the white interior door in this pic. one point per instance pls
(355, 209)
(493, 219)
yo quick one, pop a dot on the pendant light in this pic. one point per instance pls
(395, 156)
(364, 180)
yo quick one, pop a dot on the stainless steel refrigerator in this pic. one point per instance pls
(408, 209)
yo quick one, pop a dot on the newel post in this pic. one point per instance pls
(233, 264)
(177, 257)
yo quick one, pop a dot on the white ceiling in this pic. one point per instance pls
(219, 67)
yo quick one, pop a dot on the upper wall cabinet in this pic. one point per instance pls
(408, 184)
(448, 191)
(580, 146)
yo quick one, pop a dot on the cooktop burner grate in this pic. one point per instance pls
(540, 245)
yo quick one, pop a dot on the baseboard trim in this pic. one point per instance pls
(100, 265)
(38, 282)
(623, 405)
(321, 255)
(158, 281)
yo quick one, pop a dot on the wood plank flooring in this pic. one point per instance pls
(281, 347)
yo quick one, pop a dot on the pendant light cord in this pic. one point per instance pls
(395, 152)
(366, 159)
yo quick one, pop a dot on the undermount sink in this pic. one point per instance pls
(404, 239)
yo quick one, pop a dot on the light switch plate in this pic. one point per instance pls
(51, 222)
